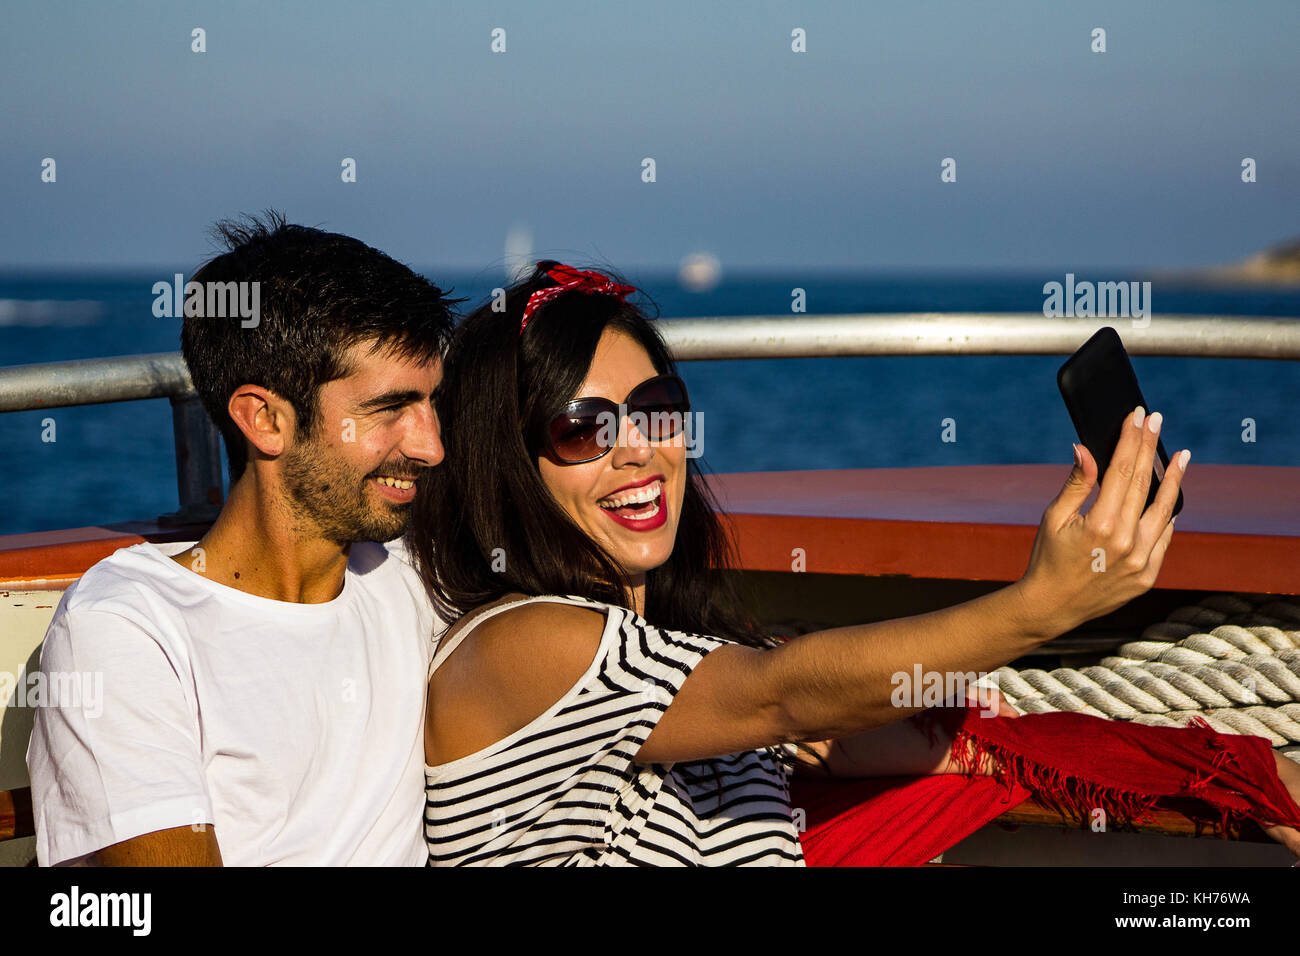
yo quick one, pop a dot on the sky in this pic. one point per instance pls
(765, 157)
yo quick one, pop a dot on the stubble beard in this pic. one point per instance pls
(327, 494)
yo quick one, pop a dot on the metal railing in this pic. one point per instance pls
(125, 378)
(821, 336)
(198, 443)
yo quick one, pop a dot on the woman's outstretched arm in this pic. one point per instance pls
(838, 683)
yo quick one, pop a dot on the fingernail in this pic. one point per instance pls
(1184, 457)
(1078, 459)
(1153, 422)
(1138, 414)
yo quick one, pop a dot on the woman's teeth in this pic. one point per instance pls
(636, 504)
(643, 515)
(395, 482)
(623, 511)
(635, 496)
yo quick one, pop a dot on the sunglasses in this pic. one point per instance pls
(588, 427)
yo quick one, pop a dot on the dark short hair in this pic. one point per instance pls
(499, 390)
(319, 294)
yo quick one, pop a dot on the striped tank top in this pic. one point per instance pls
(564, 790)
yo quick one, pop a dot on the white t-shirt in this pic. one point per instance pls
(296, 730)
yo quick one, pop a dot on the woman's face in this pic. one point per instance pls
(638, 534)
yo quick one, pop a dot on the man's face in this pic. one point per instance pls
(376, 431)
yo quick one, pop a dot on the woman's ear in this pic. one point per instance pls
(265, 419)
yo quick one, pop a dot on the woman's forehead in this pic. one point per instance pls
(619, 365)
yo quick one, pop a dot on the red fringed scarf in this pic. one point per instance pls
(1074, 762)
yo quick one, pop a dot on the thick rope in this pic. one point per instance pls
(1226, 660)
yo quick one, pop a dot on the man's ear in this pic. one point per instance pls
(265, 418)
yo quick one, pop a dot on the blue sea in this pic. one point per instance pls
(115, 462)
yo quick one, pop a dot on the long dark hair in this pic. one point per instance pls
(484, 524)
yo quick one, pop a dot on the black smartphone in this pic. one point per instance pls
(1101, 390)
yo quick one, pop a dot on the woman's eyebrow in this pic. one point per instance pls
(394, 397)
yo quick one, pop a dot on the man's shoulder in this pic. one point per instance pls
(398, 549)
(128, 603)
(388, 560)
(129, 577)
(388, 567)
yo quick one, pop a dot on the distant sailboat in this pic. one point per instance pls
(700, 272)
(519, 252)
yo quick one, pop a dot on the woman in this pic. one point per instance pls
(603, 698)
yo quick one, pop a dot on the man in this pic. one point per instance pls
(262, 688)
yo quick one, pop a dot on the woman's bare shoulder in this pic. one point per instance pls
(537, 649)
(513, 667)
(548, 634)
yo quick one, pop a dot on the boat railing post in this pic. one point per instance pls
(199, 479)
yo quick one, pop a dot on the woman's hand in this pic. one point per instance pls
(1084, 566)
(990, 702)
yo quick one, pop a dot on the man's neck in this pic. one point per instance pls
(257, 546)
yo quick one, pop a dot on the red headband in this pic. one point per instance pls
(573, 280)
